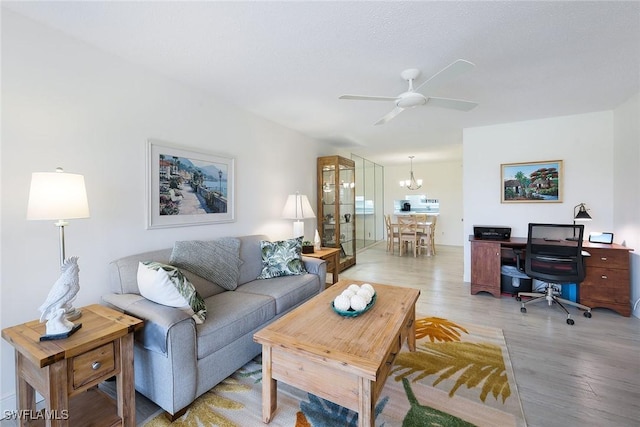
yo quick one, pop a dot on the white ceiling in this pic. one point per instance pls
(289, 61)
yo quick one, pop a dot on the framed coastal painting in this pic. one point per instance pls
(532, 182)
(188, 186)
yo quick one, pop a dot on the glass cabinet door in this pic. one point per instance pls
(336, 206)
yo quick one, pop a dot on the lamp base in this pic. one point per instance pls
(73, 314)
(298, 229)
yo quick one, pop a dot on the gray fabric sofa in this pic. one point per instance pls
(177, 360)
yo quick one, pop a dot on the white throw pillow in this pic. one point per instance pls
(166, 285)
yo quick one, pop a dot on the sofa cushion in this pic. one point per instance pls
(281, 258)
(166, 285)
(232, 315)
(251, 256)
(217, 260)
(288, 291)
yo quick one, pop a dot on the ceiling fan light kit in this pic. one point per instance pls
(412, 98)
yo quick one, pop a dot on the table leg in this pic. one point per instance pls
(366, 410)
(336, 268)
(269, 386)
(125, 383)
(411, 333)
(57, 398)
(25, 393)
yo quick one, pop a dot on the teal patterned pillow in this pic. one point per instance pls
(281, 258)
(166, 285)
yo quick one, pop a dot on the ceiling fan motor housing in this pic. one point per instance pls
(411, 99)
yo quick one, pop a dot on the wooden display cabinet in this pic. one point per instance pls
(336, 207)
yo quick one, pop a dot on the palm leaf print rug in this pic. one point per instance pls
(459, 375)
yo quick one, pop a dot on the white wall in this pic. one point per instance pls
(67, 104)
(441, 180)
(626, 177)
(585, 144)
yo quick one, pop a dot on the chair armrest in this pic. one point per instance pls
(158, 319)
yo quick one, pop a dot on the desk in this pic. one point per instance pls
(332, 257)
(606, 284)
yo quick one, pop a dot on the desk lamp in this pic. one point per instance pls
(579, 214)
(298, 208)
(58, 196)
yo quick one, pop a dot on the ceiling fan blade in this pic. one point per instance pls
(368, 98)
(456, 104)
(390, 115)
(449, 72)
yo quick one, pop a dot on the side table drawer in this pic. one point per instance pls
(94, 364)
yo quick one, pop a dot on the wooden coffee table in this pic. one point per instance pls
(342, 359)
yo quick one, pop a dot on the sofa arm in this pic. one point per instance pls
(158, 319)
(316, 266)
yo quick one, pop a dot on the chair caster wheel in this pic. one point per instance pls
(523, 309)
(587, 314)
(570, 322)
(518, 298)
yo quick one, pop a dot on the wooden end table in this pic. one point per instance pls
(347, 361)
(332, 257)
(66, 372)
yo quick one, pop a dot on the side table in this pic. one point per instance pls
(66, 372)
(332, 256)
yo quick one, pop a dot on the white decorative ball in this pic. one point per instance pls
(355, 288)
(365, 294)
(342, 303)
(358, 303)
(369, 288)
(348, 293)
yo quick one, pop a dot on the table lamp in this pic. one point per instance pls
(298, 208)
(58, 196)
(579, 214)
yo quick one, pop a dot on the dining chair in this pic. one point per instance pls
(433, 219)
(392, 234)
(409, 233)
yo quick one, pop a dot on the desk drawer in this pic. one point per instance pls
(607, 258)
(94, 364)
(602, 284)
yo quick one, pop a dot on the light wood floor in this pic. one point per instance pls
(587, 374)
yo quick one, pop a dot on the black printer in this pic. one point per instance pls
(491, 232)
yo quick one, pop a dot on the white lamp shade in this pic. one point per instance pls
(56, 196)
(297, 207)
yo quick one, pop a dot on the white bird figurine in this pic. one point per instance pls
(60, 297)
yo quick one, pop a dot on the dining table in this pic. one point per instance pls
(423, 226)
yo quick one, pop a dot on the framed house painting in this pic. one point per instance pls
(188, 186)
(532, 182)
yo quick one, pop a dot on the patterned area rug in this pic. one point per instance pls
(460, 375)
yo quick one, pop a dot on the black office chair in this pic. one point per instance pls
(554, 255)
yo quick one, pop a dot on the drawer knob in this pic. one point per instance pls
(604, 258)
(96, 365)
(604, 277)
(390, 362)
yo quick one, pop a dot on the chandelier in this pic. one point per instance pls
(412, 183)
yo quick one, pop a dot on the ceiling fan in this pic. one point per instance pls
(412, 98)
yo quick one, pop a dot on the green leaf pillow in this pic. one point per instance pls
(166, 285)
(281, 258)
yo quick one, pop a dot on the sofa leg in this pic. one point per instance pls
(173, 417)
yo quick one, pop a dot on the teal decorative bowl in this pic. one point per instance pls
(354, 313)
